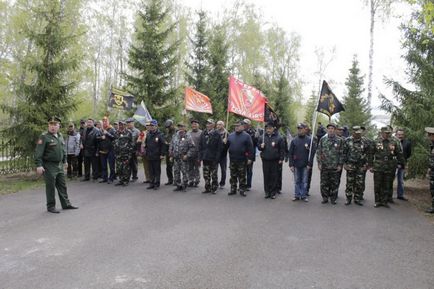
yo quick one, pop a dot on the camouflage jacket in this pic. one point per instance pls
(123, 144)
(329, 152)
(356, 152)
(386, 155)
(181, 145)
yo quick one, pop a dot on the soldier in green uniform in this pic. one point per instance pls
(124, 149)
(430, 132)
(50, 159)
(329, 158)
(355, 156)
(386, 156)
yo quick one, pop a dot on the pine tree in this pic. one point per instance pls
(357, 109)
(153, 60)
(198, 68)
(412, 108)
(218, 72)
(45, 88)
(281, 98)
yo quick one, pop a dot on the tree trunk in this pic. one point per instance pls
(371, 50)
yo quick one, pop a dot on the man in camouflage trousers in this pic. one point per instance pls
(329, 158)
(194, 162)
(123, 148)
(180, 151)
(211, 146)
(240, 147)
(386, 156)
(355, 157)
(430, 132)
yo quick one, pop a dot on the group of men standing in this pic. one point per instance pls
(111, 152)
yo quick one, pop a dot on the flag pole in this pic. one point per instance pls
(314, 119)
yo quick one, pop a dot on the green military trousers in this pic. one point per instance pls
(55, 178)
(383, 186)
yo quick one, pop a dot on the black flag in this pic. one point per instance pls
(328, 102)
(120, 99)
(271, 116)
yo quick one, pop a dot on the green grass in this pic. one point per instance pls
(14, 183)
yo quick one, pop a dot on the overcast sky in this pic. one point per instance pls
(343, 24)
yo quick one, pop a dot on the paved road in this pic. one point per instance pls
(133, 238)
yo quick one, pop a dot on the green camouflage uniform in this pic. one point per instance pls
(355, 156)
(168, 136)
(123, 148)
(181, 145)
(386, 155)
(329, 158)
(51, 155)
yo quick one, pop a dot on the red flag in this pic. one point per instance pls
(196, 101)
(246, 100)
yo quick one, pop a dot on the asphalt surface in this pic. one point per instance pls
(134, 238)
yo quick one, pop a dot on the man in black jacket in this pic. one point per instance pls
(155, 147)
(89, 144)
(106, 153)
(247, 124)
(240, 147)
(210, 149)
(400, 172)
(272, 147)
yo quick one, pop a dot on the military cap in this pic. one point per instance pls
(331, 124)
(54, 119)
(429, 130)
(122, 122)
(116, 123)
(247, 121)
(386, 129)
(168, 123)
(148, 123)
(154, 122)
(339, 127)
(357, 129)
(130, 120)
(240, 122)
(363, 128)
(194, 121)
(301, 125)
(82, 121)
(210, 120)
(180, 124)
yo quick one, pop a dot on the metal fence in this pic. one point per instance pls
(12, 161)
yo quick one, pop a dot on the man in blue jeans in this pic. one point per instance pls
(400, 173)
(300, 161)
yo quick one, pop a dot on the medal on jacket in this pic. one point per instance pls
(182, 139)
(156, 139)
(122, 135)
(306, 146)
(273, 144)
(336, 145)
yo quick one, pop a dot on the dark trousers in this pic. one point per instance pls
(309, 180)
(329, 184)
(134, 165)
(279, 177)
(88, 162)
(55, 179)
(109, 159)
(72, 170)
(249, 174)
(169, 169)
(383, 186)
(271, 176)
(155, 172)
(80, 164)
(223, 164)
